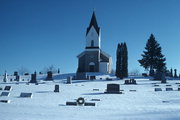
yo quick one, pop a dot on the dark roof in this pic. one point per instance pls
(93, 23)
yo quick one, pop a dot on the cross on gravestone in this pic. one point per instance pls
(49, 76)
(56, 88)
(28, 95)
(113, 88)
(8, 88)
(5, 94)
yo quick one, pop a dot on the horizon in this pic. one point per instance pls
(37, 34)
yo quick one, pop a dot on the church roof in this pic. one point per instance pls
(93, 23)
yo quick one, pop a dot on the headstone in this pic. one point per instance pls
(168, 85)
(26, 95)
(157, 89)
(132, 90)
(95, 100)
(71, 103)
(5, 94)
(5, 101)
(95, 89)
(178, 89)
(1, 88)
(169, 89)
(56, 89)
(131, 81)
(69, 80)
(5, 79)
(8, 88)
(33, 78)
(89, 104)
(156, 85)
(113, 88)
(49, 76)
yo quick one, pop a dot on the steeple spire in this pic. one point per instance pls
(93, 23)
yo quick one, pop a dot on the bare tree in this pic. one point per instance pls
(135, 72)
(51, 68)
(22, 70)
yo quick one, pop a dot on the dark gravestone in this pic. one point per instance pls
(26, 95)
(49, 76)
(56, 89)
(69, 80)
(33, 78)
(71, 103)
(178, 89)
(89, 104)
(131, 81)
(8, 88)
(157, 89)
(113, 88)
(5, 94)
(169, 89)
(5, 101)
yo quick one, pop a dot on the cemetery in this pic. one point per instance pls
(112, 77)
(98, 97)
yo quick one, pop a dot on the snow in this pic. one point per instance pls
(142, 104)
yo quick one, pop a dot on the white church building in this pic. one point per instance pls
(93, 59)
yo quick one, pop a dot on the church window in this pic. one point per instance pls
(92, 43)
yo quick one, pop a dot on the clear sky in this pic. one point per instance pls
(38, 33)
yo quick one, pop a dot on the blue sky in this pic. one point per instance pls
(38, 33)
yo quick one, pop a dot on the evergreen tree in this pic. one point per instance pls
(118, 60)
(122, 61)
(152, 58)
(125, 61)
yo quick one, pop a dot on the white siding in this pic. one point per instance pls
(93, 35)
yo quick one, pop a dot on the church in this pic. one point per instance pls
(93, 59)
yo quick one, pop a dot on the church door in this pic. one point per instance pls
(91, 67)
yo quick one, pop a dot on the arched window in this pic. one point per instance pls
(92, 43)
(91, 67)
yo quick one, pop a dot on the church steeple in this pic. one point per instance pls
(93, 23)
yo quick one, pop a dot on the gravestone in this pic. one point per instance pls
(8, 88)
(56, 89)
(113, 88)
(26, 95)
(33, 78)
(131, 81)
(89, 104)
(5, 79)
(5, 101)
(5, 94)
(71, 103)
(157, 89)
(178, 89)
(49, 76)
(169, 89)
(69, 80)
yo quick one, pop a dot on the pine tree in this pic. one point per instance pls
(125, 61)
(122, 61)
(152, 58)
(118, 60)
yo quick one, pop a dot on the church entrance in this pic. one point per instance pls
(91, 67)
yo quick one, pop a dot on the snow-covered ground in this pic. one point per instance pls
(144, 104)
